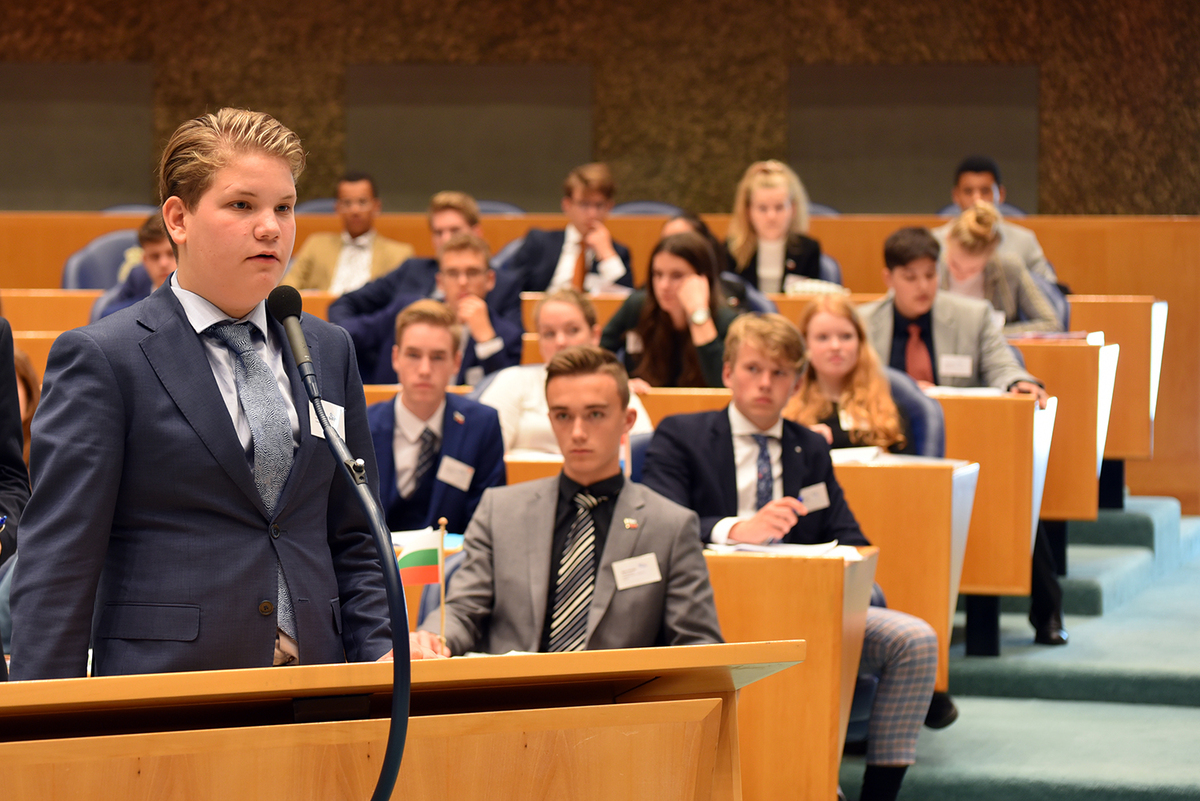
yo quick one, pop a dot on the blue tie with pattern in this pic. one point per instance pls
(271, 430)
(766, 480)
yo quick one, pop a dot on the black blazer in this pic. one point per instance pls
(14, 478)
(690, 461)
(537, 259)
(802, 257)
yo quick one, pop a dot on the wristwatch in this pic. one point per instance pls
(701, 316)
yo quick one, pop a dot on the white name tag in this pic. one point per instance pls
(455, 473)
(845, 421)
(815, 497)
(999, 318)
(953, 366)
(636, 571)
(336, 415)
(473, 376)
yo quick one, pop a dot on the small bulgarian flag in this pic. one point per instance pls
(419, 556)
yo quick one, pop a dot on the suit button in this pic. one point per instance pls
(275, 531)
(266, 608)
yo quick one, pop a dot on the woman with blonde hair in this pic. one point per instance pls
(767, 241)
(518, 394)
(972, 266)
(844, 393)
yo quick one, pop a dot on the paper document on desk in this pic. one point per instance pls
(782, 548)
(862, 455)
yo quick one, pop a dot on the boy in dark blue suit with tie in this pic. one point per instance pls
(437, 452)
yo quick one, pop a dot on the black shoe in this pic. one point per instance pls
(1051, 632)
(942, 711)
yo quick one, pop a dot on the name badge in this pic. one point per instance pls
(636, 571)
(999, 318)
(633, 342)
(455, 473)
(336, 415)
(845, 421)
(473, 376)
(815, 497)
(954, 366)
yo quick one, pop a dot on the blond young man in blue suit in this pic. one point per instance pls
(646, 578)
(147, 508)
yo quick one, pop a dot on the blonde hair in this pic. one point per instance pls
(572, 297)
(461, 202)
(743, 242)
(866, 396)
(201, 147)
(773, 334)
(594, 177)
(469, 242)
(976, 230)
(429, 312)
(589, 360)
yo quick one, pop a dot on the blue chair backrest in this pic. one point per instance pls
(430, 596)
(638, 443)
(319, 205)
(505, 254)
(647, 207)
(498, 207)
(830, 269)
(756, 301)
(821, 210)
(1057, 299)
(96, 265)
(1007, 209)
(130, 208)
(924, 414)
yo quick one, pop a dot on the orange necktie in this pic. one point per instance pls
(580, 268)
(916, 356)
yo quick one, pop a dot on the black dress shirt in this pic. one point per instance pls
(900, 325)
(564, 518)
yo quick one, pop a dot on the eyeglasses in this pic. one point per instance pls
(472, 274)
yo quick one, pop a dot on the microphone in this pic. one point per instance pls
(285, 304)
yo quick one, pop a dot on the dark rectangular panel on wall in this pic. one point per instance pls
(506, 133)
(886, 139)
(76, 136)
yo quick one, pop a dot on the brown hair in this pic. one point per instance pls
(27, 378)
(594, 177)
(655, 327)
(467, 241)
(867, 396)
(909, 244)
(775, 335)
(461, 202)
(589, 360)
(743, 241)
(572, 297)
(152, 230)
(430, 312)
(976, 230)
(201, 147)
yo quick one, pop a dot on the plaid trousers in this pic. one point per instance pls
(903, 651)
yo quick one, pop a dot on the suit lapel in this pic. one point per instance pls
(453, 441)
(793, 462)
(620, 544)
(383, 436)
(945, 334)
(178, 358)
(536, 516)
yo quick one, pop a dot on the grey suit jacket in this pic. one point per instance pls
(1017, 241)
(496, 601)
(961, 326)
(1011, 289)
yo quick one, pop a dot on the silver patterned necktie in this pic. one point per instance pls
(271, 432)
(425, 457)
(576, 579)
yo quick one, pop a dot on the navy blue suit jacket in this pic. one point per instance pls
(537, 259)
(135, 287)
(14, 479)
(470, 434)
(690, 461)
(144, 509)
(508, 357)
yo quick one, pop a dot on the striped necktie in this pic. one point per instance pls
(576, 579)
(425, 459)
(271, 432)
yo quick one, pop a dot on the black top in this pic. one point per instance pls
(900, 325)
(564, 518)
(802, 257)
(841, 437)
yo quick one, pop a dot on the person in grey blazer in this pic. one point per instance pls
(966, 348)
(649, 581)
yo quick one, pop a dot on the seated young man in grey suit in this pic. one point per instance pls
(585, 560)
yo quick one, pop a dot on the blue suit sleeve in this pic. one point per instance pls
(668, 471)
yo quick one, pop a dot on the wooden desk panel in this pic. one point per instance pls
(792, 728)
(918, 512)
(792, 306)
(1126, 321)
(531, 350)
(47, 309)
(606, 307)
(663, 402)
(377, 393)
(525, 468)
(317, 303)
(36, 345)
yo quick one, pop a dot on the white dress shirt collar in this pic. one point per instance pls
(741, 425)
(366, 241)
(411, 426)
(202, 314)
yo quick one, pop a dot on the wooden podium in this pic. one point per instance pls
(644, 723)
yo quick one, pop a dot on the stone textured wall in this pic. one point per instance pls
(685, 95)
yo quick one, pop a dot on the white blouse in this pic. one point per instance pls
(518, 394)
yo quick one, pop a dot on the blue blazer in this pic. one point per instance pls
(509, 356)
(470, 434)
(537, 259)
(144, 509)
(690, 461)
(14, 479)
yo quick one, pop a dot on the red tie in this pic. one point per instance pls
(916, 356)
